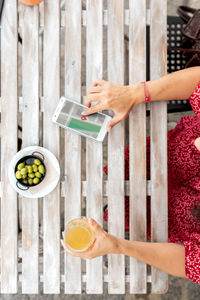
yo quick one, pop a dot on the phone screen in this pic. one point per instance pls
(70, 116)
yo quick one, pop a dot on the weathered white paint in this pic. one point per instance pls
(84, 278)
(73, 18)
(116, 263)
(30, 137)
(94, 154)
(105, 188)
(159, 203)
(72, 141)
(84, 17)
(51, 203)
(8, 146)
(137, 143)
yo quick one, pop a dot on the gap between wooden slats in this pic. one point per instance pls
(159, 210)
(30, 136)
(94, 150)
(8, 146)
(105, 188)
(41, 103)
(84, 278)
(72, 141)
(84, 13)
(137, 143)
(116, 263)
(51, 203)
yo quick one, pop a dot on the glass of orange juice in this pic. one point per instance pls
(78, 235)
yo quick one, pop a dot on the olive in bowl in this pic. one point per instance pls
(30, 170)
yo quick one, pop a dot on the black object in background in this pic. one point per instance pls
(175, 59)
(1, 7)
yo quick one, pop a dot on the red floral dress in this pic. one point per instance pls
(183, 187)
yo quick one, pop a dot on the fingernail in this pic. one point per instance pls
(63, 235)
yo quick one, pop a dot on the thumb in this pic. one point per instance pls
(113, 122)
(94, 225)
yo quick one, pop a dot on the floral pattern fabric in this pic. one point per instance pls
(183, 187)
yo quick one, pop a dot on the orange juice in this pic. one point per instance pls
(78, 235)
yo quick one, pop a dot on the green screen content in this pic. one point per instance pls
(82, 125)
(71, 116)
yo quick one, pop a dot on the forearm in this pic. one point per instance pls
(175, 86)
(168, 257)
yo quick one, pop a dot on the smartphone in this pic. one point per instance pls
(68, 115)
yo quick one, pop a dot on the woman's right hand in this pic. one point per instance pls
(104, 243)
(121, 99)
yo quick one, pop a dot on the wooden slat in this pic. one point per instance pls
(83, 15)
(72, 141)
(84, 278)
(94, 165)
(51, 203)
(116, 263)
(105, 188)
(158, 63)
(30, 136)
(8, 146)
(137, 143)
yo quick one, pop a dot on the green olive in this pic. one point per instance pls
(35, 168)
(26, 167)
(38, 174)
(31, 175)
(24, 176)
(18, 175)
(41, 169)
(21, 166)
(25, 181)
(30, 169)
(37, 162)
(30, 181)
(36, 180)
(23, 171)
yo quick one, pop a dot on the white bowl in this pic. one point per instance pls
(51, 179)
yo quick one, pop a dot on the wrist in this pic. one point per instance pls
(118, 245)
(115, 244)
(138, 93)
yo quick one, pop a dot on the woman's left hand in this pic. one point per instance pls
(104, 243)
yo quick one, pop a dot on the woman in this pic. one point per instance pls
(183, 173)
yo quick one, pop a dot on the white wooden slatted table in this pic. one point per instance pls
(46, 30)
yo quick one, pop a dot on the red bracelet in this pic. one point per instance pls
(146, 92)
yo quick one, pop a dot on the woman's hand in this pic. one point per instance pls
(168, 257)
(104, 243)
(121, 99)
